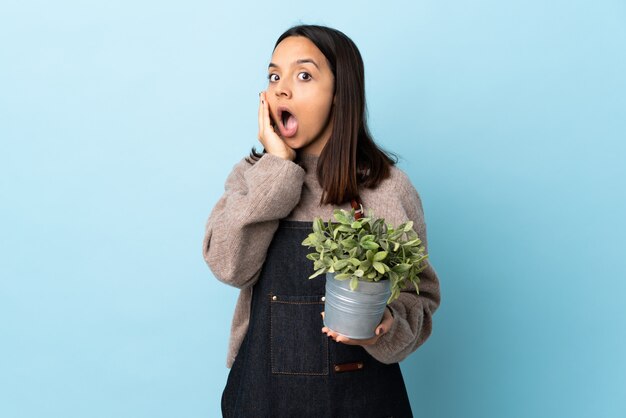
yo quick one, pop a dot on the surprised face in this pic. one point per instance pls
(300, 95)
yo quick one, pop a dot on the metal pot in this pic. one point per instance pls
(355, 313)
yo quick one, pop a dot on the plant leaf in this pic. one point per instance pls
(318, 226)
(380, 256)
(379, 267)
(369, 245)
(342, 216)
(317, 273)
(401, 268)
(412, 243)
(343, 276)
(355, 262)
(367, 237)
(345, 229)
(349, 243)
(365, 265)
(356, 225)
(340, 264)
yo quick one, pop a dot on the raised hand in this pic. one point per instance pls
(272, 143)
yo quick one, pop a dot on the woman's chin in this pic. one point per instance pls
(292, 142)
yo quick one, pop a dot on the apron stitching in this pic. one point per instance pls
(302, 374)
(297, 303)
(326, 359)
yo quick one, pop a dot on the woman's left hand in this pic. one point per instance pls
(382, 328)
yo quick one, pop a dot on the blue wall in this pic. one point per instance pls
(119, 122)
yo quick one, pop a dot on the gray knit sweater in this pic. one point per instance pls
(244, 220)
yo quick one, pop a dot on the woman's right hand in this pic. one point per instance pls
(272, 143)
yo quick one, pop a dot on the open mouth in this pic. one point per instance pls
(289, 123)
(285, 116)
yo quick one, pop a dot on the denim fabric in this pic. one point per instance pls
(286, 365)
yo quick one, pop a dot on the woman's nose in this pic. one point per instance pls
(283, 89)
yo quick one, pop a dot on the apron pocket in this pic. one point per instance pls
(297, 344)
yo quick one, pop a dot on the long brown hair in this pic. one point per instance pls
(350, 159)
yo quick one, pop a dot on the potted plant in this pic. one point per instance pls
(367, 263)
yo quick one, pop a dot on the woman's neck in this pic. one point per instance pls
(309, 161)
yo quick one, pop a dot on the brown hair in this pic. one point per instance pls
(350, 159)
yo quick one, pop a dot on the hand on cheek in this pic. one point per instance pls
(272, 143)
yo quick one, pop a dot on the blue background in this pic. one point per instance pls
(119, 122)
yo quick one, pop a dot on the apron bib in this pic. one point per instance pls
(286, 366)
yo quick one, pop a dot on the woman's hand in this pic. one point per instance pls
(382, 328)
(272, 143)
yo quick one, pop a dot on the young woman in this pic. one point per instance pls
(318, 156)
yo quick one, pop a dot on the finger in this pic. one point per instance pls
(266, 112)
(261, 127)
(385, 324)
(323, 314)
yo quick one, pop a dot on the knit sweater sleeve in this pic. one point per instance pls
(412, 313)
(243, 222)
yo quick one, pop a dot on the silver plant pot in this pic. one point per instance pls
(355, 314)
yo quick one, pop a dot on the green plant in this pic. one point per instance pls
(366, 249)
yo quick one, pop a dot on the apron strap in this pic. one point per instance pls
(357, 205)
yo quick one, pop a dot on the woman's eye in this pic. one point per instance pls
(304, 76)
(273, 77)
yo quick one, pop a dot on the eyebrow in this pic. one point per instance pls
(300, 61)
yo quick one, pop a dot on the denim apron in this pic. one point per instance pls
(286, 366)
